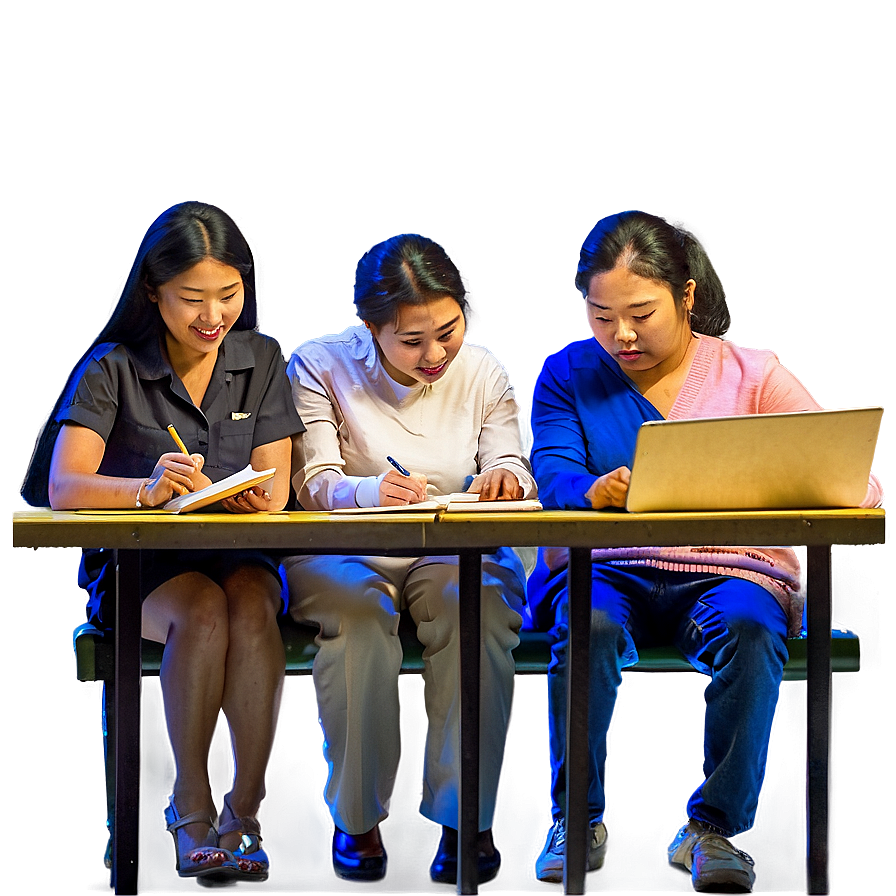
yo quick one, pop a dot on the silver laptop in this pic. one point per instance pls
(755, 462)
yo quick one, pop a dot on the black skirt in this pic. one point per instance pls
(97, 573)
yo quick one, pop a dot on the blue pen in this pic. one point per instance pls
(397, 466)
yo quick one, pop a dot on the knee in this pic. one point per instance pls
(755, 637)
(500, 622)
(202, 615)
(253, 600)
(608, 635)
(747, 644)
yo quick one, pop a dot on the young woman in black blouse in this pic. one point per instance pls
(181, 348)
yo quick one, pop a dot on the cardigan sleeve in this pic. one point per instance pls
(559, 450)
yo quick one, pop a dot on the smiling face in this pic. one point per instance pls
(198, 308)
(638, 322)
(422, 342)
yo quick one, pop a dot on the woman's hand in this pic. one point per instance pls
(174, 474)
(610, 490)
(397, 489)
(252, 500)
(497, 485)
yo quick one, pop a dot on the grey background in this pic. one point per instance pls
(503, 129)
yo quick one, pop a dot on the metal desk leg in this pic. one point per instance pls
(469, 585)
(577, 688)
(818, 715)
(127, 723)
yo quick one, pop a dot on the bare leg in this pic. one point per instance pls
(253, 684)
(189, 615)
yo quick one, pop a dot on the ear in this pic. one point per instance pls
(690, 290)
(150, 292)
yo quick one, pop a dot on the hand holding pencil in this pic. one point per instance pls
(175, 473)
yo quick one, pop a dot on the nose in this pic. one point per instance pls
(434, 355)
(624, 333)
(212, 313)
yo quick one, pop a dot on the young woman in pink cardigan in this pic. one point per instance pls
(657, 313)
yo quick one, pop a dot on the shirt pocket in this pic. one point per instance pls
(234, 444)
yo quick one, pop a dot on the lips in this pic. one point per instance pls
(208, 335)
(432, 371)
(629, 356)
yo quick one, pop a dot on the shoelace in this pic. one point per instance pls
(725, 845)
(559, 833)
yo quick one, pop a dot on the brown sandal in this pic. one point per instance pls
(210, 862)
(251, 860)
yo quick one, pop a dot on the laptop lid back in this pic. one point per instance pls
(757, 462)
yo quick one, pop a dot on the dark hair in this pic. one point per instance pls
(650, 247)
(407, 269)
(177, 240)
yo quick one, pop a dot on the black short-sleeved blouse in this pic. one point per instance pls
(129, 396)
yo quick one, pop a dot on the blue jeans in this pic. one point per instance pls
(730, 629)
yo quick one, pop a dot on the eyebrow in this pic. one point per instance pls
(447, 326)
(222, 289)
(643, 304)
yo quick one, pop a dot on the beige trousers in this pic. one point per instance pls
(356, 602)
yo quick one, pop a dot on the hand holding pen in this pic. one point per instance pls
(399, 486)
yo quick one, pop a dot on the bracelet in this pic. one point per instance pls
(138, 503)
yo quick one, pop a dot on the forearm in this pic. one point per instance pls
(74, 491)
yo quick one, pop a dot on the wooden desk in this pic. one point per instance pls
(468, 536)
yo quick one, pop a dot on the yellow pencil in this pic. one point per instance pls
(177, 439)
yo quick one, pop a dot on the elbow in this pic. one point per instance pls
(57, 496)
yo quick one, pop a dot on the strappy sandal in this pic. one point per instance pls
(251, 860)
(210, 862)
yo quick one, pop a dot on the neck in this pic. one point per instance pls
(185, 362)
(678, 362)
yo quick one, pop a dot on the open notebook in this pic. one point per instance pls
(755, 462)
(458, 502)
(218, 491)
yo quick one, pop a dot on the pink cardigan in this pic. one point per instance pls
(726, 380)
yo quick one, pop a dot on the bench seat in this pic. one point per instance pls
(94, 653)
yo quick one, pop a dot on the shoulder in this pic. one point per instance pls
(478, 357)
(750, 364)
(334, 352)
(475, 371)
(582, 354)
(730, 353)
(246, 346)
(353, 344)
(104, 360)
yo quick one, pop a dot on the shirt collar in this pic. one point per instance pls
(151, 364)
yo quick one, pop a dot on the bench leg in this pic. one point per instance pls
(818, 715)
(469, 586)
(126, 730)
(109, 760)
(577, 742)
